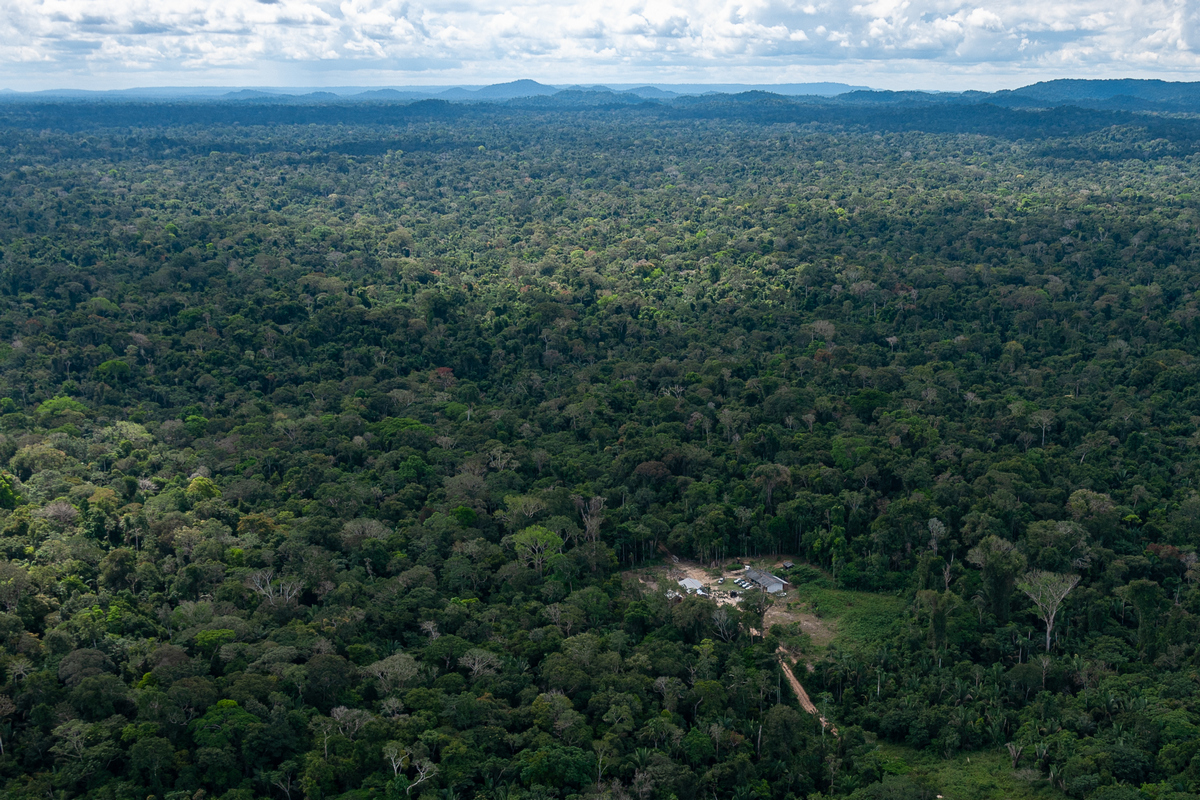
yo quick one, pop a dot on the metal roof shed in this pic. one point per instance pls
(765, 580)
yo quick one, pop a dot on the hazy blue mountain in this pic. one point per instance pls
(1066, 90)
(823, 89)
(250, 94)
(1124, 95)
(501, 91)
(651, 92)
(390, 94)
(580, 97)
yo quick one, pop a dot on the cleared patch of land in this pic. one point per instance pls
(847, 618)
(669, 574)
(794, 610)
(827, 615)
(981, 775)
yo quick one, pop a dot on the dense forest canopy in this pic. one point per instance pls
(340, 440)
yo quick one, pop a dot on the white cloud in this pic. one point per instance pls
(296, 41)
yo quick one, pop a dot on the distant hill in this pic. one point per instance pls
(250, 94)
(389, 94)
(501, 91)
(582, 98)
(1066, 90)
(1123, 95)
(652, 92)
(1138, 96)
(824, 89)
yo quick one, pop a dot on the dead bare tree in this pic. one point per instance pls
(479, 661)
(281, 592)
(396, 756)
(725, 624)
(592, 513)
(425, 770)
(350, 720)
(323, 727)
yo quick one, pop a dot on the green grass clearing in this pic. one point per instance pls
(859, 619)
(982, 775)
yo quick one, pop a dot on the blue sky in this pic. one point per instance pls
(924, 44)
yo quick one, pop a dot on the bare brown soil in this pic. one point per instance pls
(784, 611)
(790, 611)
(805, 702)
(669, 575)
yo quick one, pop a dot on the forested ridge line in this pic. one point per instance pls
(1168, 129)
(329, 449)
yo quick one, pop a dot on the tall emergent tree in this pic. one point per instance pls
(1048, 590)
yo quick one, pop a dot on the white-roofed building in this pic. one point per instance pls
(765, 580)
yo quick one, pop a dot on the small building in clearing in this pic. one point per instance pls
(765, 580)
(691, 584)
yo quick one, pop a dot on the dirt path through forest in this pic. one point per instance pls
(805, 702)
(820, 631)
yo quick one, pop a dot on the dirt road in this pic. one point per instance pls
(805, 702)
(820, 631)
